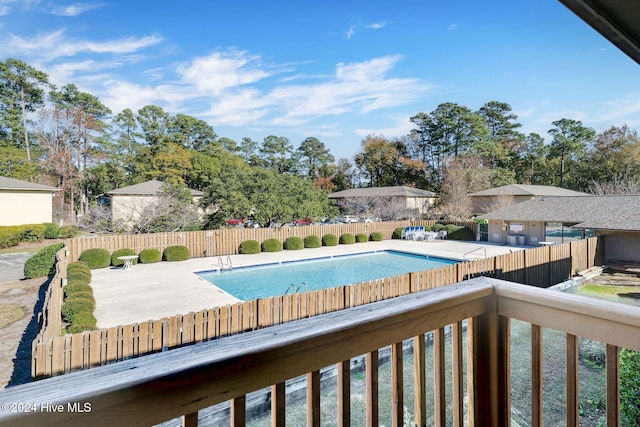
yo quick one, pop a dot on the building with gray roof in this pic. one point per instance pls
(553, 219)
(408, 198)
(497, 197)
(25, 202)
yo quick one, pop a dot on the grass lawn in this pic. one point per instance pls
(592, 386)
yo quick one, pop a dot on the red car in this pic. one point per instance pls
(306, 221)
(234, 221)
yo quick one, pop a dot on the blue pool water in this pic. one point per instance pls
(247, 283)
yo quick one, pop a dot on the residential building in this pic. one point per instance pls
(562, 219)
(498, 197)
(407, 197)
(128, 203)
(25, 202)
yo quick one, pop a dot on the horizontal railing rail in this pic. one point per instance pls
(183, 381)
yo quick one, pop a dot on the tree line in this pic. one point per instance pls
(70, 139)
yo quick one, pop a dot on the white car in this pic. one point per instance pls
(347, 219)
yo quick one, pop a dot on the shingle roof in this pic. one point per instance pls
(527, 190)
(16, 184)
(613, 212)
(396, 191)
(146, 188)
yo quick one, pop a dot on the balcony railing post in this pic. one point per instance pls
(490, 368)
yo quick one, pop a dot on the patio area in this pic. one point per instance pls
(154, 291)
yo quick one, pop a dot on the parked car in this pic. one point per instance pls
(235, 221)
(347, 219)
(306, 221)
(251, 224)
(370, 219)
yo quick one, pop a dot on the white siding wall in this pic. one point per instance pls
(25, 207)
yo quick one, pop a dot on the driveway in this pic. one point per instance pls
(12, 266)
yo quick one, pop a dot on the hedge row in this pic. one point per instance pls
(12, 235)
(43, 263)
(79, 303)
(101, 258)
(249, 247)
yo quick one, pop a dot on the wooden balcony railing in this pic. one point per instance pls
(181, 382)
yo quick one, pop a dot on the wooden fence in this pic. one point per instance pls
(543, 267)
(206, 243)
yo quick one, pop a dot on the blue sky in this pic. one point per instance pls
(335, 70)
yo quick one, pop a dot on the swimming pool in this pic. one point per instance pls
(247, 283)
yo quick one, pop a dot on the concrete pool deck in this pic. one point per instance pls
(165, 289)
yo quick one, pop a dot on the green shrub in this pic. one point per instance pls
(33, 233)
(149, 256)
(122, 252)
(77, 276)
(43, 263)
(312, 242)
(459, 232)
(176, 253)
(10, 236)
(75, 288)
(347, 239)
(78, 266)
(81, 295)
(293, 243)
(249, 247)
(271, 245)
(72, 306)
(329, 240)
(362, 238)
(376, 236)
(51, 230)
(68, 231)
(84, 321)
(397, 233)
(96, 258)
(438, 227)
(630, 387)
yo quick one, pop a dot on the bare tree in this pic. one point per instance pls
(171, 210)
(619, 185)
(462, 176)
(500, 202)
(386, 208)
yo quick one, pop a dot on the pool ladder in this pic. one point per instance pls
(466, 256)
(295, 289)
(225, 265)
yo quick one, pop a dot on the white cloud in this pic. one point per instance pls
(623, 110)
(355, 88)
(350, 32)
(74, 9)
(122, 94)
(377, 25)
(223, 70)
(4, 10)
(400, 126)
(55, 45)
(373, 69)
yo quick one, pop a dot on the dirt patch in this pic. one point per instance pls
(16, 336)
